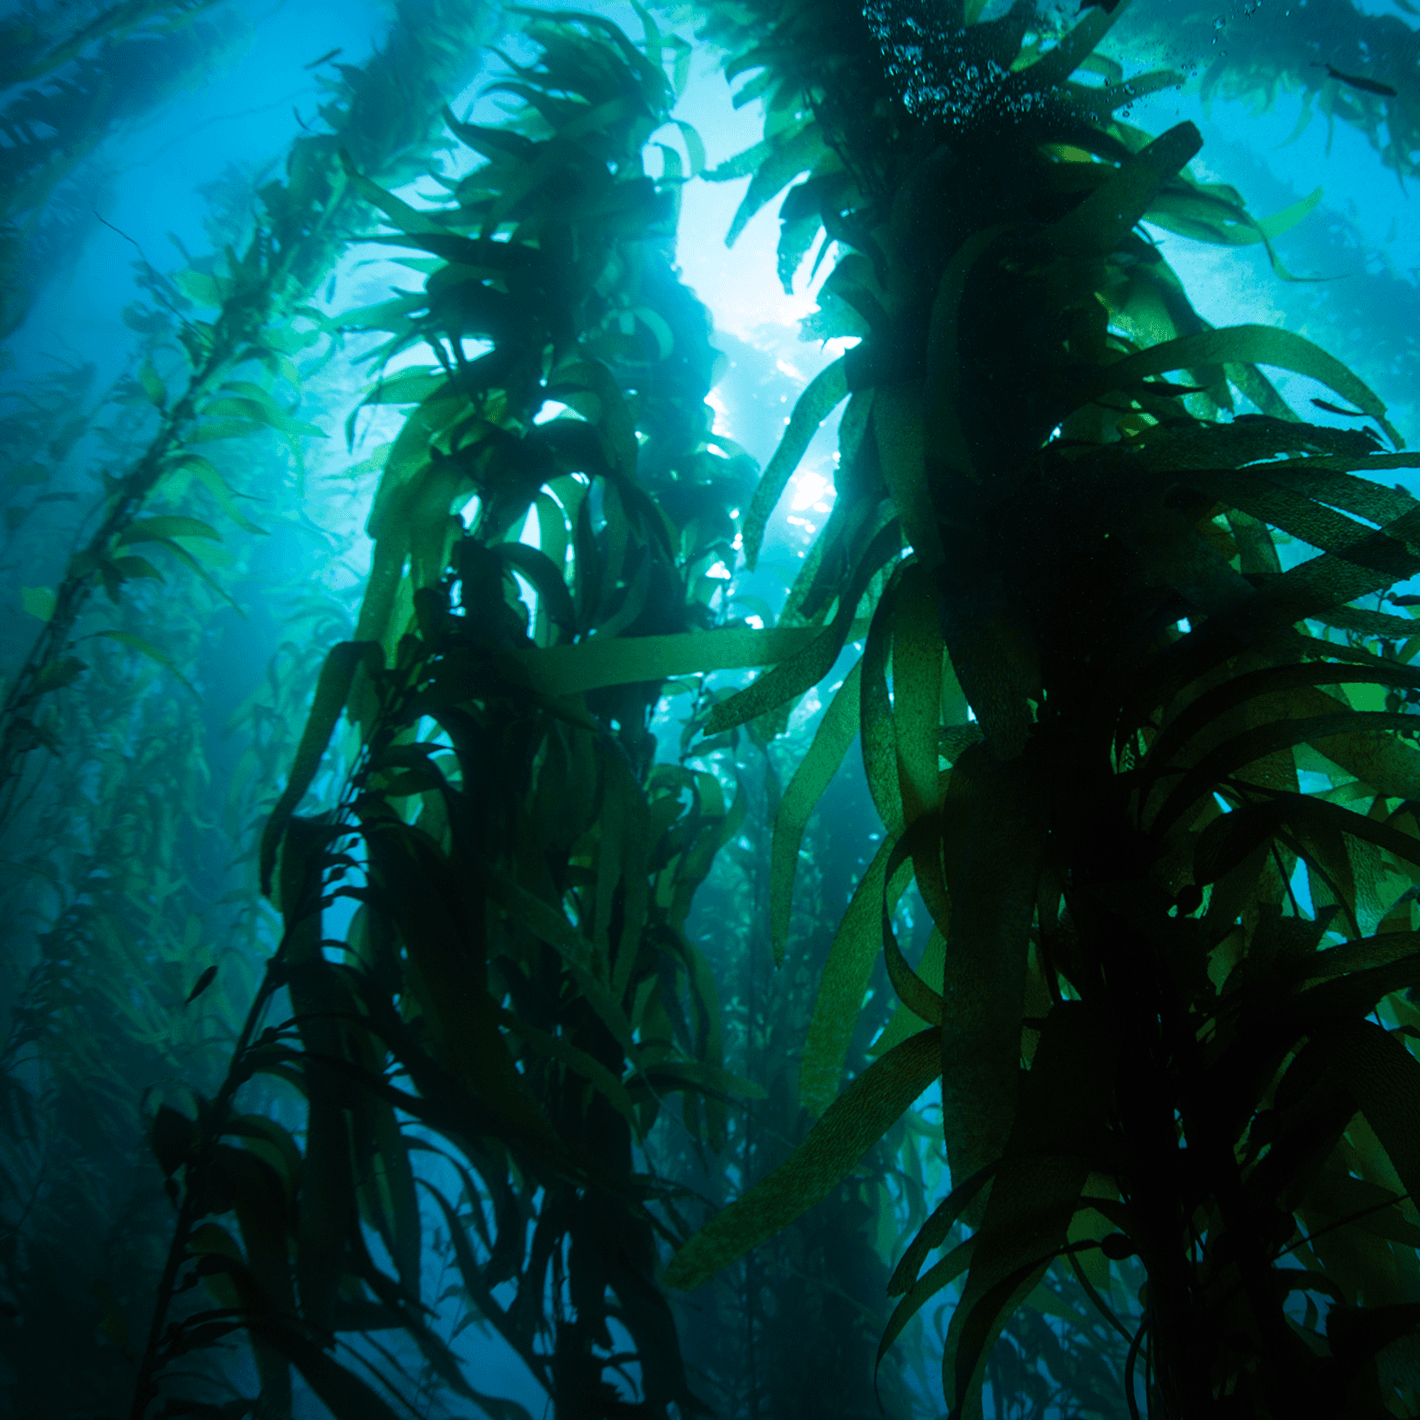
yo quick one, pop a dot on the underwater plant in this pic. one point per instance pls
(1144, 773)
(61, 96)
(1104, 688)
(519, 868)
(382, 116)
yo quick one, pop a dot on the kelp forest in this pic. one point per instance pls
(710, 710)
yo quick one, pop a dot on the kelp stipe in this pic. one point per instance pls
(1104, 690)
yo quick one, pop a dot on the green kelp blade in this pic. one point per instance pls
(408, 219)
(1237, 345)
(551, 926)
(472, 1275)
(332, 688)
(1105, 218)
(820, 398)
(830, 743)
(593, 663)
(936, 1279)
(1065, 1098)
(147, 648)
(1056, 65)
(1213, 705)
(161, 528)
(797, 153)
(791, 677)
(920, 845)
(202, 470)
(935, 1231)
(555, 1047)
(343, 1393)
(1256, 743)
(903, 1021)
(865, 1111)
(845, 978)
(877, 735)
(1368, 952)
(1384, 1079)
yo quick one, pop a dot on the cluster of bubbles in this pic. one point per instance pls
(938, 72)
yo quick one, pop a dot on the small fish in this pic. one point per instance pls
(1358, 81)
(203, 982)
(316, 63)
(1108, 6)
(1337, 409)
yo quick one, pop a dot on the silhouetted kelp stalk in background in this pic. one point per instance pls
(1361, 68)
(382, 115)
(67, 94)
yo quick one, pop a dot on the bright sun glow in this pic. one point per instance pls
(810, 487)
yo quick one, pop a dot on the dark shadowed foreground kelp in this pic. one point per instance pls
(1203, 967)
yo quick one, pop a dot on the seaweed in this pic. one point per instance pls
(1141, 904)
(1084, 577)
(521, 869)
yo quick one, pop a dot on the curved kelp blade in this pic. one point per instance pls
(816, 770)
(1064, 1104)
(822, 396)
(1238, 345)
(332, 690)
(852, 1125)
(845, 978)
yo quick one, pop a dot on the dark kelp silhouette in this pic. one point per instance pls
(1105, 687)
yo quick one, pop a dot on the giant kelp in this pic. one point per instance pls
(1346, 63)
(382, 115)
(117, 890)
(521, 870)
(69, 83)
(1103, 688)
(1089, 694)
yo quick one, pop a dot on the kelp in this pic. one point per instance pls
(124, 863)
(86, 77)
(1347, 64)
(1086, 559)
(514, 997)
(209, 389)
(1166, 990)
(794, 1324)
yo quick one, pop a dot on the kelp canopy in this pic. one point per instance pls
(1114, 630)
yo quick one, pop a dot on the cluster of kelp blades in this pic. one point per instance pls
(1094, 634)
(1087, 693)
